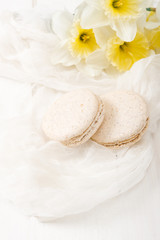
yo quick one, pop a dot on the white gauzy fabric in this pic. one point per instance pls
(42, 177)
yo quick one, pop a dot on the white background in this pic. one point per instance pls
(134, 215)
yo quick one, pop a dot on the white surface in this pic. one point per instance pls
(133, 215)
(15, 4)
(25, 4)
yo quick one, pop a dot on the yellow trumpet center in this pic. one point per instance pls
(83, 41)
(117, 3)
(124, 54)
(84, 37)
(121, 8)
(124, 47)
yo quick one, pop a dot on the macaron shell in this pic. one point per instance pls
(70, 115)
(128, 142)
(90, 131)
(125, 116)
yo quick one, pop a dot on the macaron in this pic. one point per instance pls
(125, 122)
(74, 118)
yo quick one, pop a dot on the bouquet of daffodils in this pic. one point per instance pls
(105, 35)
(102, 37)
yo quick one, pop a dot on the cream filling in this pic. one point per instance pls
(90, 130)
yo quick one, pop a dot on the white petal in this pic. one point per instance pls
(92, 18)
(158, 11)
(94, 3)
(102, 34)
(79, 10)
(61, 24)
(152, 25)
(98, 59)
(146, 4)
(62, 55)
(126, 30)
(141, 22)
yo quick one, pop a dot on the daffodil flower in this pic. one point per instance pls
(153, 17)
(83, 41)
(153, 36)
(153, 28)
(121, 15)
(77, 46)
(123, 54)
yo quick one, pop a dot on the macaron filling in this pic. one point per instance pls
(89, 132)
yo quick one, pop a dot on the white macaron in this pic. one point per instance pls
(74, 117)
(126, 119)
